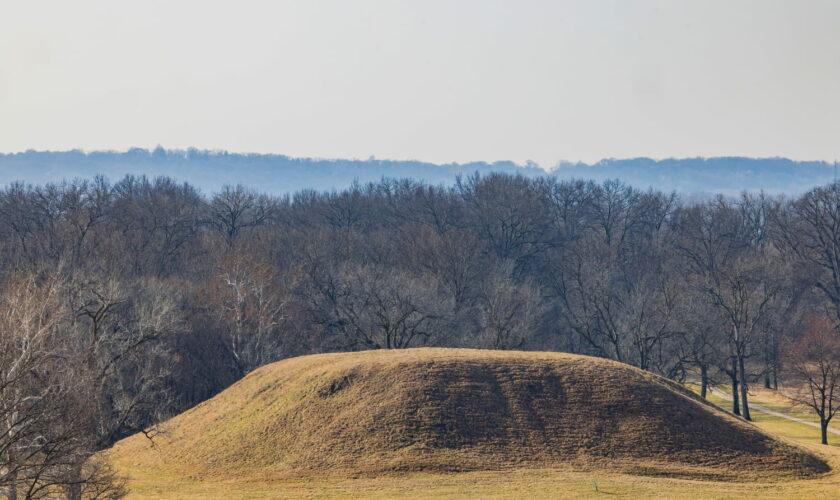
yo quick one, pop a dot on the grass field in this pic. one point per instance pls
(532, 484)
(794, 431)
(157, 480)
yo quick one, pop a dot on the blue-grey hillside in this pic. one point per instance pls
(278, 174)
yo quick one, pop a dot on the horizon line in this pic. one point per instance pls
(527, 164)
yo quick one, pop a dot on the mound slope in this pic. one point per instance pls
(456, 409)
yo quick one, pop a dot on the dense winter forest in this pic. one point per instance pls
(123, 303)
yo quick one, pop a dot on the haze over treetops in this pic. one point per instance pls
(279, 174)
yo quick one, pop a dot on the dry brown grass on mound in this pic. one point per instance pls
(379, 412)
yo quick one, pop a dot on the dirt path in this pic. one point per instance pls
(755, 407)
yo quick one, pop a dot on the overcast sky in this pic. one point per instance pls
(450, 80)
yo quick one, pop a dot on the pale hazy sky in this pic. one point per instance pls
(450, 80)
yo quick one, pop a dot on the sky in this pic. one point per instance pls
(440, 81)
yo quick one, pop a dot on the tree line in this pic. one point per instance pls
(124, 303)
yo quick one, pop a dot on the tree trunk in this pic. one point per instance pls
(733, 375)
(704, 381)
(743, 374)
(768, 363)
(12, 477)
(74, 492)
(824, 430)
(74, 489)
(12, 493)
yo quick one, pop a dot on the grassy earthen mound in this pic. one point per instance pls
(375, 412)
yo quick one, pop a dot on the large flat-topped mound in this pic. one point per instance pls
(375, 412)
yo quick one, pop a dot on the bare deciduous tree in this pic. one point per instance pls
(236, 208)
(809, 228)
(44, 442)
(114, 332)
(373, 307)
(252, 301)
(508, 312)
(812, 363)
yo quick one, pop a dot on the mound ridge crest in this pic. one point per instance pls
(432, 409)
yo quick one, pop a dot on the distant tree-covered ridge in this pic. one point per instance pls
(279, 174)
